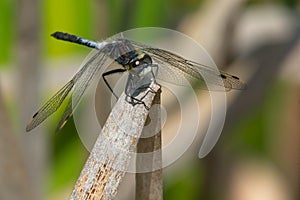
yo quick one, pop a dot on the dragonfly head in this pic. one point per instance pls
(140, 60)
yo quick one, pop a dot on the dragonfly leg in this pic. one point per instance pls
(114, 71)
(134, 101)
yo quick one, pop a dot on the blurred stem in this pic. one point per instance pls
(29, 68)
(149, 184)
(12, 174)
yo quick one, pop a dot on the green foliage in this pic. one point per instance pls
(149, 13)
(6, 29)
(133, 14)
(67, 16)
(249, 135)
(68, 157)
(256, 131)
(289, 3)
(143, 13)
(186, 184)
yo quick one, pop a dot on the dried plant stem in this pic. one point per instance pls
(113, 150)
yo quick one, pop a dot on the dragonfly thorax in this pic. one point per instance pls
(126, 58)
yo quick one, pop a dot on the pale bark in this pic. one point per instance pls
(113, 150)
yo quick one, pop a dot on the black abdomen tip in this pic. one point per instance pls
(64, 36)
(223, 76)
(57, 34)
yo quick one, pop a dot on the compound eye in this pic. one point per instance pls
(144, 59)
(147, 59)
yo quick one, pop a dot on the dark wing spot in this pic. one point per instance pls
(223, 76)
(35, 115)
(235, 77)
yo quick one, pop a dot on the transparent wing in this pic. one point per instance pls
(55, 102)
(81, 85)
(176, 70)
(66, 115)
(50, 106)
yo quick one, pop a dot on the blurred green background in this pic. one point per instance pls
(257, 156)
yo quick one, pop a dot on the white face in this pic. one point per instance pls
(141, 70)
(145, 71)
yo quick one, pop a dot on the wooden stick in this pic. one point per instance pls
(111, 154)
(149, 184)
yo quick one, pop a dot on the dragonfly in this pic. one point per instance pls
(145, 64)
